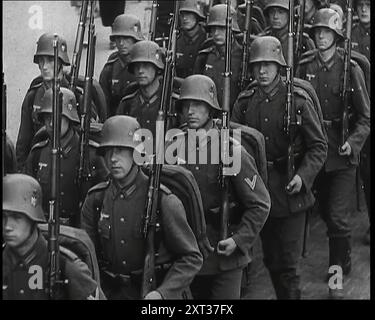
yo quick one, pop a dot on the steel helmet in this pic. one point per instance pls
(328, 18)
(193, 6)
(45, 48)
(201, 88)
(146, 51)
(218, 16)
(267, 49)
(119, 131)
(23, 194)
(127, 25)
(69, 104)
(276, 3)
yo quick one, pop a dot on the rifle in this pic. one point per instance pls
(346, 81)
(78, 46)
(245, 45)
(4, 124)
(299, 30)
(154, 14)
(54, 208)
(290, 114)
(224, 209)
(152, 202)
(83, 169)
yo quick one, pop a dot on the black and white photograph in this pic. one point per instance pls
(195, 150)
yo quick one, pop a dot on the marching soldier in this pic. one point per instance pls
(115, 77)
(10, 161)
(147, 64)
(361, 42)
(263, 107)
(26, 247)
(277, 13)
(324, 68)
(191, 36)
(220, 277)
(30, 123)
(29, 113)
(210, 61)
(38, 163)
(112, 216)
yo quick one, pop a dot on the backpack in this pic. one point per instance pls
(75, 243)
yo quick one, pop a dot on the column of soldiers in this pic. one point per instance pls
(110, 207)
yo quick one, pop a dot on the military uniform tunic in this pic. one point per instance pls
(38, 165)
(335, 184)
(114, 79)
(361, 38)
(114, 223)
(187, 51)
(16, 275)
(212, 64)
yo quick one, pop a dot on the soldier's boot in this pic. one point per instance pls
(290, 283)
(275, 278)
(345, 261)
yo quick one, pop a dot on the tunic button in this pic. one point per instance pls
(326, 100)
(267, 100)
(122, 241)
(124, 262)
(196, 168)
(148, 121)
(22, 291)
(62, 193)
(122, 219)
(265, 119)
(147, 104)
(61, 174)
(122, 196)
(325, 85)
(267, 138)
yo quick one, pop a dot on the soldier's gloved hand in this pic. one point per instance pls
(345, 150)
(295, 185)
(226, 247)
(153, 295)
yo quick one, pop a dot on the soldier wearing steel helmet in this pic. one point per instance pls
(311, 7)
(277, 13)
(324, 68)
(262, 107)
(361, 35)
(147, 64)
(210, 61)
(115, 77)
(113, 214)
(30, 123)
(220, 276)
(26, 248)
(191, 37)
(38, 163)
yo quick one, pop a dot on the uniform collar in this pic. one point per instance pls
(278, 85)
(66, 141)
(329, 63)
(195, 36)
(124, 60)
(130, 185)
(365, 30)
(38, 251)
(280, 34)
(151, 99)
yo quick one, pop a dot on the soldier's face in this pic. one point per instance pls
(196, 112)
(364, 11)
(46, 67)
(145, 73)
(119, 161)
(16, 229)
(265, 72)
(218, 35)
(124, 44)
(47, 120)
(278, 18)
(324, 38)
(188, 20)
